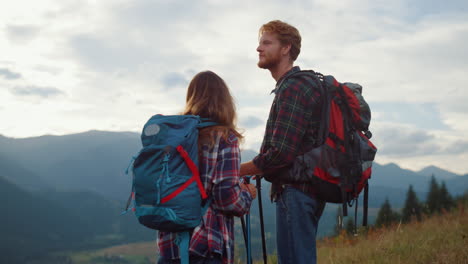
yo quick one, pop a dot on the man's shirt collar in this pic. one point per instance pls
(280, 81)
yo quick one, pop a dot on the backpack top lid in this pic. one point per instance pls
(364, 109)
(168, 130)
(171, 129)
(352, 93)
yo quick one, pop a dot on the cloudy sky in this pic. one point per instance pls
(72, 66)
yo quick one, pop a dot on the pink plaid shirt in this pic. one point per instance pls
(219, 172)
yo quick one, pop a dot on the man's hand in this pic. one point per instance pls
(249, 168)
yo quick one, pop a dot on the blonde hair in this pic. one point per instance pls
(286, 33)
(208, 96)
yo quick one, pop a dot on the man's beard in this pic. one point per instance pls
(269, 63)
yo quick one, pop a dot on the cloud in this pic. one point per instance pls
(174, 79)
(134, 36)
(458, 147)
(9, 75)
(21, 33)
(410, 56)
(421, 115)
(424, 8)
(148, 14)
(37, 91)
(251, 122)
(403, 141)
(400, 141)
(104, 54)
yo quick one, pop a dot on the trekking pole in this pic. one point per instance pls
(247, 223)
(366, 204)
(260, 209)
(244, 232)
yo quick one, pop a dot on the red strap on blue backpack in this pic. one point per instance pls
(195, 177)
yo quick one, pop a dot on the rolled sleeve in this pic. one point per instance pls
(228, 197)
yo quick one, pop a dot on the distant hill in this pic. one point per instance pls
(391, 175)
(96, 161)
(35, 224)
(90, 160)
(32, 225)
(13, 171)
(85, 161)
(441, 174)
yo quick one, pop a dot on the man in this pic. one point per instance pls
(291, 129)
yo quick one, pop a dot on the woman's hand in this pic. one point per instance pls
(250, 188)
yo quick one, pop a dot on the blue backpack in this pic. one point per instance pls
(167, 191)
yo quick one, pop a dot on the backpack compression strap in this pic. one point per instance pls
(205, 122)
(195, 177)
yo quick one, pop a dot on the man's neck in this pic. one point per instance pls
(280, 69)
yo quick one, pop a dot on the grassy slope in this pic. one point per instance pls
(135, 253)
(439, 239)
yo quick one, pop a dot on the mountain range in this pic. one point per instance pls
(88, 161)
(67, 192)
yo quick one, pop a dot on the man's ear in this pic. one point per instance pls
(285, 49)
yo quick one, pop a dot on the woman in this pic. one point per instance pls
(213, 240)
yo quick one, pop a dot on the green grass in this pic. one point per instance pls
(439, 239)
(137, 253)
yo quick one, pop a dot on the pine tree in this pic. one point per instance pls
(462, 199)
(350, 228)
(386, 215)
(412, 206)
(433, 197)
(446, 200)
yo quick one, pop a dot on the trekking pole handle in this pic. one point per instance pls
(247, 179)
(247, 186)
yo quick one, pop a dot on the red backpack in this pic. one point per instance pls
(341, 164)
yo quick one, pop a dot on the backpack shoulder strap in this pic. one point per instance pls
(325, 111)
(206, 122)
(301, 72)
(319, 80)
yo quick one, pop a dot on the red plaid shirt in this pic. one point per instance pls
(291, 127)
(219, 171)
